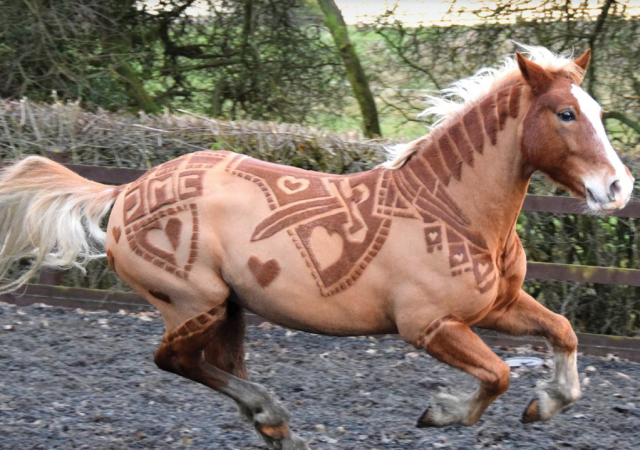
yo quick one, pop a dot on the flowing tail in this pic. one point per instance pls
(50, 215)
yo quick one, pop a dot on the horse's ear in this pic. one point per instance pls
(535, 75)
(583, 61)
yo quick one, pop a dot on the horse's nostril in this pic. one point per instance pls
(614, 189)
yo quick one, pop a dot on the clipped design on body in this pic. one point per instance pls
(161, 204)
(340, 223)
(330, 219)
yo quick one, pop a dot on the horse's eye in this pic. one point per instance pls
(566, 116)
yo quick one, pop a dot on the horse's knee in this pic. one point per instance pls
(497, 382)
(562, 337)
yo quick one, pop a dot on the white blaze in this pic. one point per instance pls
(591, 110)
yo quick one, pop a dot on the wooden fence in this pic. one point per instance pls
(48, 291)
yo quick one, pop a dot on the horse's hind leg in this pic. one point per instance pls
(208, 349)
(526, 317)
(454, 343)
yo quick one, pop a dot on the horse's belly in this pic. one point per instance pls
(276, 280)
(322, 316)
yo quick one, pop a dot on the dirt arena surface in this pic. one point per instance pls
(72, 379)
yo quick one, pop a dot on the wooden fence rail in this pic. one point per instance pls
(93, 299)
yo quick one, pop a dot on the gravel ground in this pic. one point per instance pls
(86, 380)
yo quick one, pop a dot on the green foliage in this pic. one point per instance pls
(253, 59)
(591, 241)
(432, 57)
(60, 46)
(249, 60)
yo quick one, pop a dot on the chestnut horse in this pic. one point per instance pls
(424, 245)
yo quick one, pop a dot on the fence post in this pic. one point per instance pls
(50, 276)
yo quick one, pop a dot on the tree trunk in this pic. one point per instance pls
(355, 73)
(135, 89)
(591, 71)
(133, 85)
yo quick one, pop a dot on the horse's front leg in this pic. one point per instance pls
(527, 317)
(453, 342)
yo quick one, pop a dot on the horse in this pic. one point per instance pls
(424, 245)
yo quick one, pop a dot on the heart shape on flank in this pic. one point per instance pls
(291, 185)
(173, 230)
(117, 232)
(264, 272)
(458, 257)
(482, 268)
(326, 246)
(433, 236)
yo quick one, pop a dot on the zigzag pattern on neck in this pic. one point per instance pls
(466, 94)
(452, 145)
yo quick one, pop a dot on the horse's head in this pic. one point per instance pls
(563, 136)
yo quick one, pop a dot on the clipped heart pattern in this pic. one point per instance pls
(117, 232)
(327, 247)
(173, 230)
(292, 185)
(264, 272)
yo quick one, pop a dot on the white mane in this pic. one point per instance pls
(465, 93)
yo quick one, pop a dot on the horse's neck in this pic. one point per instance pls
(476, 161)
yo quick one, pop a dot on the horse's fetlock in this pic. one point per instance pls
(469, 420)
(571, 395)
(271, 414)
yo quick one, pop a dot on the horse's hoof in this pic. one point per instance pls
(275, 432)
(532, 412)
(278, 437)
(426, 419)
